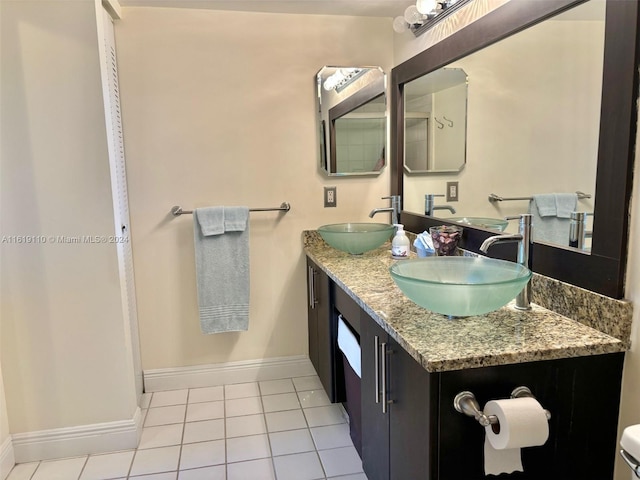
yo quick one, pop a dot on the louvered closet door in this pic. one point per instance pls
(119, 191)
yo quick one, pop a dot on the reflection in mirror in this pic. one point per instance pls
(352, 120)
(603, 270)
(435, 122)
(533, 124)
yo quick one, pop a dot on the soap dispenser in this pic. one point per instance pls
(400, 243)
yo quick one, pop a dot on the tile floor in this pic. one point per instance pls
(273, 430)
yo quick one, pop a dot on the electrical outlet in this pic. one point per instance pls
(330, 199)
(452, 192)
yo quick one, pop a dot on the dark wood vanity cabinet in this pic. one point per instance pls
(321, 330)
(410, 429)
(398, 409)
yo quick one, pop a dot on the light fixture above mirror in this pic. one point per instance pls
(425, 14)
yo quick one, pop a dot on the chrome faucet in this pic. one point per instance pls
(429, 205)
(523, 237)
(394, 208)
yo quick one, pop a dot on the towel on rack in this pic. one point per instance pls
(565, 204)
(545, 203)
(550, 216)
(222, 268)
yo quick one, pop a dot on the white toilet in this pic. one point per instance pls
(630, 443)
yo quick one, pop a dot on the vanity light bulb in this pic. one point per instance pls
(426, 6)
(400, 25)
(413, 16)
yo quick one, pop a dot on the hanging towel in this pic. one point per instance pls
(565, 204)
(545, 204)
(221, 237)
(550, 215)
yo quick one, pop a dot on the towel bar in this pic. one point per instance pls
(497, 198)
(284, 207)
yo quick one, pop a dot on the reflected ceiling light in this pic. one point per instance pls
(425, 14)
(341, 78)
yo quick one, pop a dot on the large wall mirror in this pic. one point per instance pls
(352, 120)
(551, 108)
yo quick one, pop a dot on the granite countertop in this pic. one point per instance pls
(505, 336)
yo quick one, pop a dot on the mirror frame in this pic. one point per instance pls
(603, 270)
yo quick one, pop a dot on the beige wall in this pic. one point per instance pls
(218, 109)
(4, 418)
(62, 346)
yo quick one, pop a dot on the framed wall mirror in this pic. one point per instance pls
(352, 119)
(512, 133)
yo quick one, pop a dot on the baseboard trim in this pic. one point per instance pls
(7, 458)
(75, 441)
(225, 373)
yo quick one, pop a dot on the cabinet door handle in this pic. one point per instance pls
(376, 356)
(311, 282)
(383, 374)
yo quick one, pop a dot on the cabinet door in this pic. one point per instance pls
(413, 422)
(321, 343)
(375, 423)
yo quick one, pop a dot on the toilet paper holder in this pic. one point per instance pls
(465, 402)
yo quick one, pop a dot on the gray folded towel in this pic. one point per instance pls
(550, 215)
(565, 204)
(221, 237)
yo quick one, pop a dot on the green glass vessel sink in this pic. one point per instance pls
(356, 238)
(460, 286)
(482, 222)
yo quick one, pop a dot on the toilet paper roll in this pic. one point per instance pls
(522, 423)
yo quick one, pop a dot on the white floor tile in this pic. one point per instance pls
(203, 431)
(301, 466)
(161, 436)
(247, 425)
(169, 397)
(66, 469)
(155, 460)
(205, 411)
(255, 470)
(206, 394)
(340, 461)
(307, 383)
(110, 465)
(272, 387)
(320, 416)
(313, 398)
(23, 471)
(240, 449)
(157, 476)
(332, 436)
(165, 415)
(203, 454)
(241, 390)
(356, 476)
(285, 429)
(291, 441)
(242, 406)
(280, 402)
(287, 420)
(218, 472)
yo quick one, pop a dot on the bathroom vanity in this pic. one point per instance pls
(414, 362)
